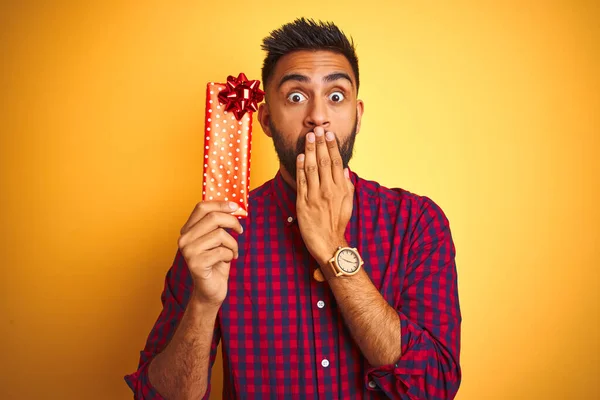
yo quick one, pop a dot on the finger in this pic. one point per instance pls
(337, 165)
(209, 223)
(310, 164)
(218, 237)
(205, 207)
(301, 188)
(323, 159)
(210, 258)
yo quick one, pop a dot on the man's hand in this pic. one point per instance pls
(324, 195)
(208, 249)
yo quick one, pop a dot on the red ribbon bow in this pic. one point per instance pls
(241, 95)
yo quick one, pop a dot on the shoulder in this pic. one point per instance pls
(374, 191)
(420, 210)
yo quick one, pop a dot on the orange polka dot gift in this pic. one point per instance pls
(227, 140)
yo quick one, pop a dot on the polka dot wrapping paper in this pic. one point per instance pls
(228, 144)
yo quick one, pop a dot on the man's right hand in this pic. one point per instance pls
(208, 249)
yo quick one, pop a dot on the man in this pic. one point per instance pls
(335, 287)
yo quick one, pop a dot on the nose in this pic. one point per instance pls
(317, 114)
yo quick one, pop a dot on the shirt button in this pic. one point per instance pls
(320, 304)
(290, 219)
(325, 363)
(372, 384)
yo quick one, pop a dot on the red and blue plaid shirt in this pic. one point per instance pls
(282, 334)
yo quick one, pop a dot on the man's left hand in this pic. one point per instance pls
(324, 195)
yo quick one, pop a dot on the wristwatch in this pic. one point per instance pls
(345, 262)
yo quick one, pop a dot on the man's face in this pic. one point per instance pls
(310, 89)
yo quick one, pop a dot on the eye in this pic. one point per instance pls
(336, 97)
(296, 97)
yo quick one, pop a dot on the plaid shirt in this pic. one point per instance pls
(282, 334)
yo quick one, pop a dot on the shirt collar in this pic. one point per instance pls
(285, 196)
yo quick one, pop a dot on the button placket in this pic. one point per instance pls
(324, 348)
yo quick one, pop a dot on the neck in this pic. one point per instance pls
(287, 177)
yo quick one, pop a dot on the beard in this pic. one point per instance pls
(288, 154)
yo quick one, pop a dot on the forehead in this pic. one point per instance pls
(313, 64)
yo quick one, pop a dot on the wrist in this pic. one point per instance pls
(327, 270)
(328, 252)
(197, 305)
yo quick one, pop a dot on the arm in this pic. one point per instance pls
(179, 361)
(420, 341)
(412, 351)
(164, 355)
(374, 325)
(180, 371)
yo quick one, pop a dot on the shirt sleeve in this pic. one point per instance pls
(174, 298)
(430, 317)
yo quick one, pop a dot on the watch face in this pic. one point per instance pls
(348, 261)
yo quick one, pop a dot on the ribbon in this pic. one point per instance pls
(241, 95)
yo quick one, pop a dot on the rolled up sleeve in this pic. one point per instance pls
(430, 317)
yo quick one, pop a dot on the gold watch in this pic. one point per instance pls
(346, 261)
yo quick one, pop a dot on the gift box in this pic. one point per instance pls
(228, 140)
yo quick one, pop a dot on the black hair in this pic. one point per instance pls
(306, 34)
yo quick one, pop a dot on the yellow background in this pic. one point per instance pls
(490, 108)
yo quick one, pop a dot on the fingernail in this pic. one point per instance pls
(347, 172)
(310, 137)
(329, 136)
(319, 132)
(301, 157)
(233, 205)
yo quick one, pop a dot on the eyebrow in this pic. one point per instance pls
(305, 79)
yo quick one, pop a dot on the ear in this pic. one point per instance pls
(263, 118)
(360, 109)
